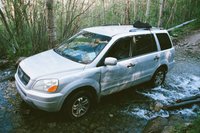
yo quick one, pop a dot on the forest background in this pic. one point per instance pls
(31, 26)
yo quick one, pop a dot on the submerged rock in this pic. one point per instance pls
(111, 115)
(155, 125)
(164, 125)
(157, 106)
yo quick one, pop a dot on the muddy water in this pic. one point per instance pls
(127, 111)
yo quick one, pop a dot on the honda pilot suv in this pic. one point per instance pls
(95, 62)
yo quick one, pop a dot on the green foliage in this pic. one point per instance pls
(23, 24)
(195, 128)
(180, 128)
(28, 34)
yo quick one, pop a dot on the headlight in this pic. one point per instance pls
(48, 85)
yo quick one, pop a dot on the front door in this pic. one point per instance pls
(115, 78)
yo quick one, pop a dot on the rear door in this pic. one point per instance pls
(167, 50)
(144, 52)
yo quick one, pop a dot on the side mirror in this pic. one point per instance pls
(110, 61)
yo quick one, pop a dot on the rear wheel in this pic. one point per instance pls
(158, 77)
(78, 104)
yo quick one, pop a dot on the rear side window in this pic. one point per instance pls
(164, 41)
(143, 44)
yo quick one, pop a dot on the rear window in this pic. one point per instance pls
(143, 44)
(164, 41)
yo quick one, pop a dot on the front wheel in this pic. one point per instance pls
(158, 77)
(78, 104)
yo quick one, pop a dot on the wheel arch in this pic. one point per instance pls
(163, 66)
(86, 88)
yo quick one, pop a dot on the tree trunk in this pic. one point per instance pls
(135, 9)
(173, 10)
(148, 10)
(161, 13)
(127, 12)
(62, 16)
(1, 5)
(104, 19)
(51, 24)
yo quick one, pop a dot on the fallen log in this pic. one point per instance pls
(181, 105)
(188, 98)
(180, 25)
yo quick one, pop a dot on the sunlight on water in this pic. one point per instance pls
(179, 87)
(176, 87)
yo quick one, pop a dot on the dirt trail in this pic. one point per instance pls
(193, 38)
(190, 43)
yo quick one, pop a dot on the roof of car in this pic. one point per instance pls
(115, 29)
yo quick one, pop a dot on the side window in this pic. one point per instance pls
(164, 41)
(120, 49)
(143, 44)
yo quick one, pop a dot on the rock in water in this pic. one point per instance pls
(157, 106)
(155, 125)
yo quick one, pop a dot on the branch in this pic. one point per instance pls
(78, 15)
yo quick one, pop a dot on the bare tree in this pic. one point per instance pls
(51, 23)
(148, 10)
(161, 13)
(135, 4)
(103, 2)
(73, 15)
(127, 12)
(173, 10)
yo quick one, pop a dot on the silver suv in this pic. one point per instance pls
(95, 62)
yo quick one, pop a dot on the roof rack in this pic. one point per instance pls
(111, 24)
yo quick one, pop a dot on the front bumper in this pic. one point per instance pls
(44, 101)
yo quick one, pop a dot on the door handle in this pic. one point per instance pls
(130, 65)
(156, 58)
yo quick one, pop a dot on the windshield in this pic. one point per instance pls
(83, 47)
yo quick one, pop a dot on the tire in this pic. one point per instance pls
(158, 77)
(78, 104)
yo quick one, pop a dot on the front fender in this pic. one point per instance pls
(68, 89)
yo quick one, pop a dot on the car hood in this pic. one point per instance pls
(47, 63)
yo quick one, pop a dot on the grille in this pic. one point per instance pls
(23, 76)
